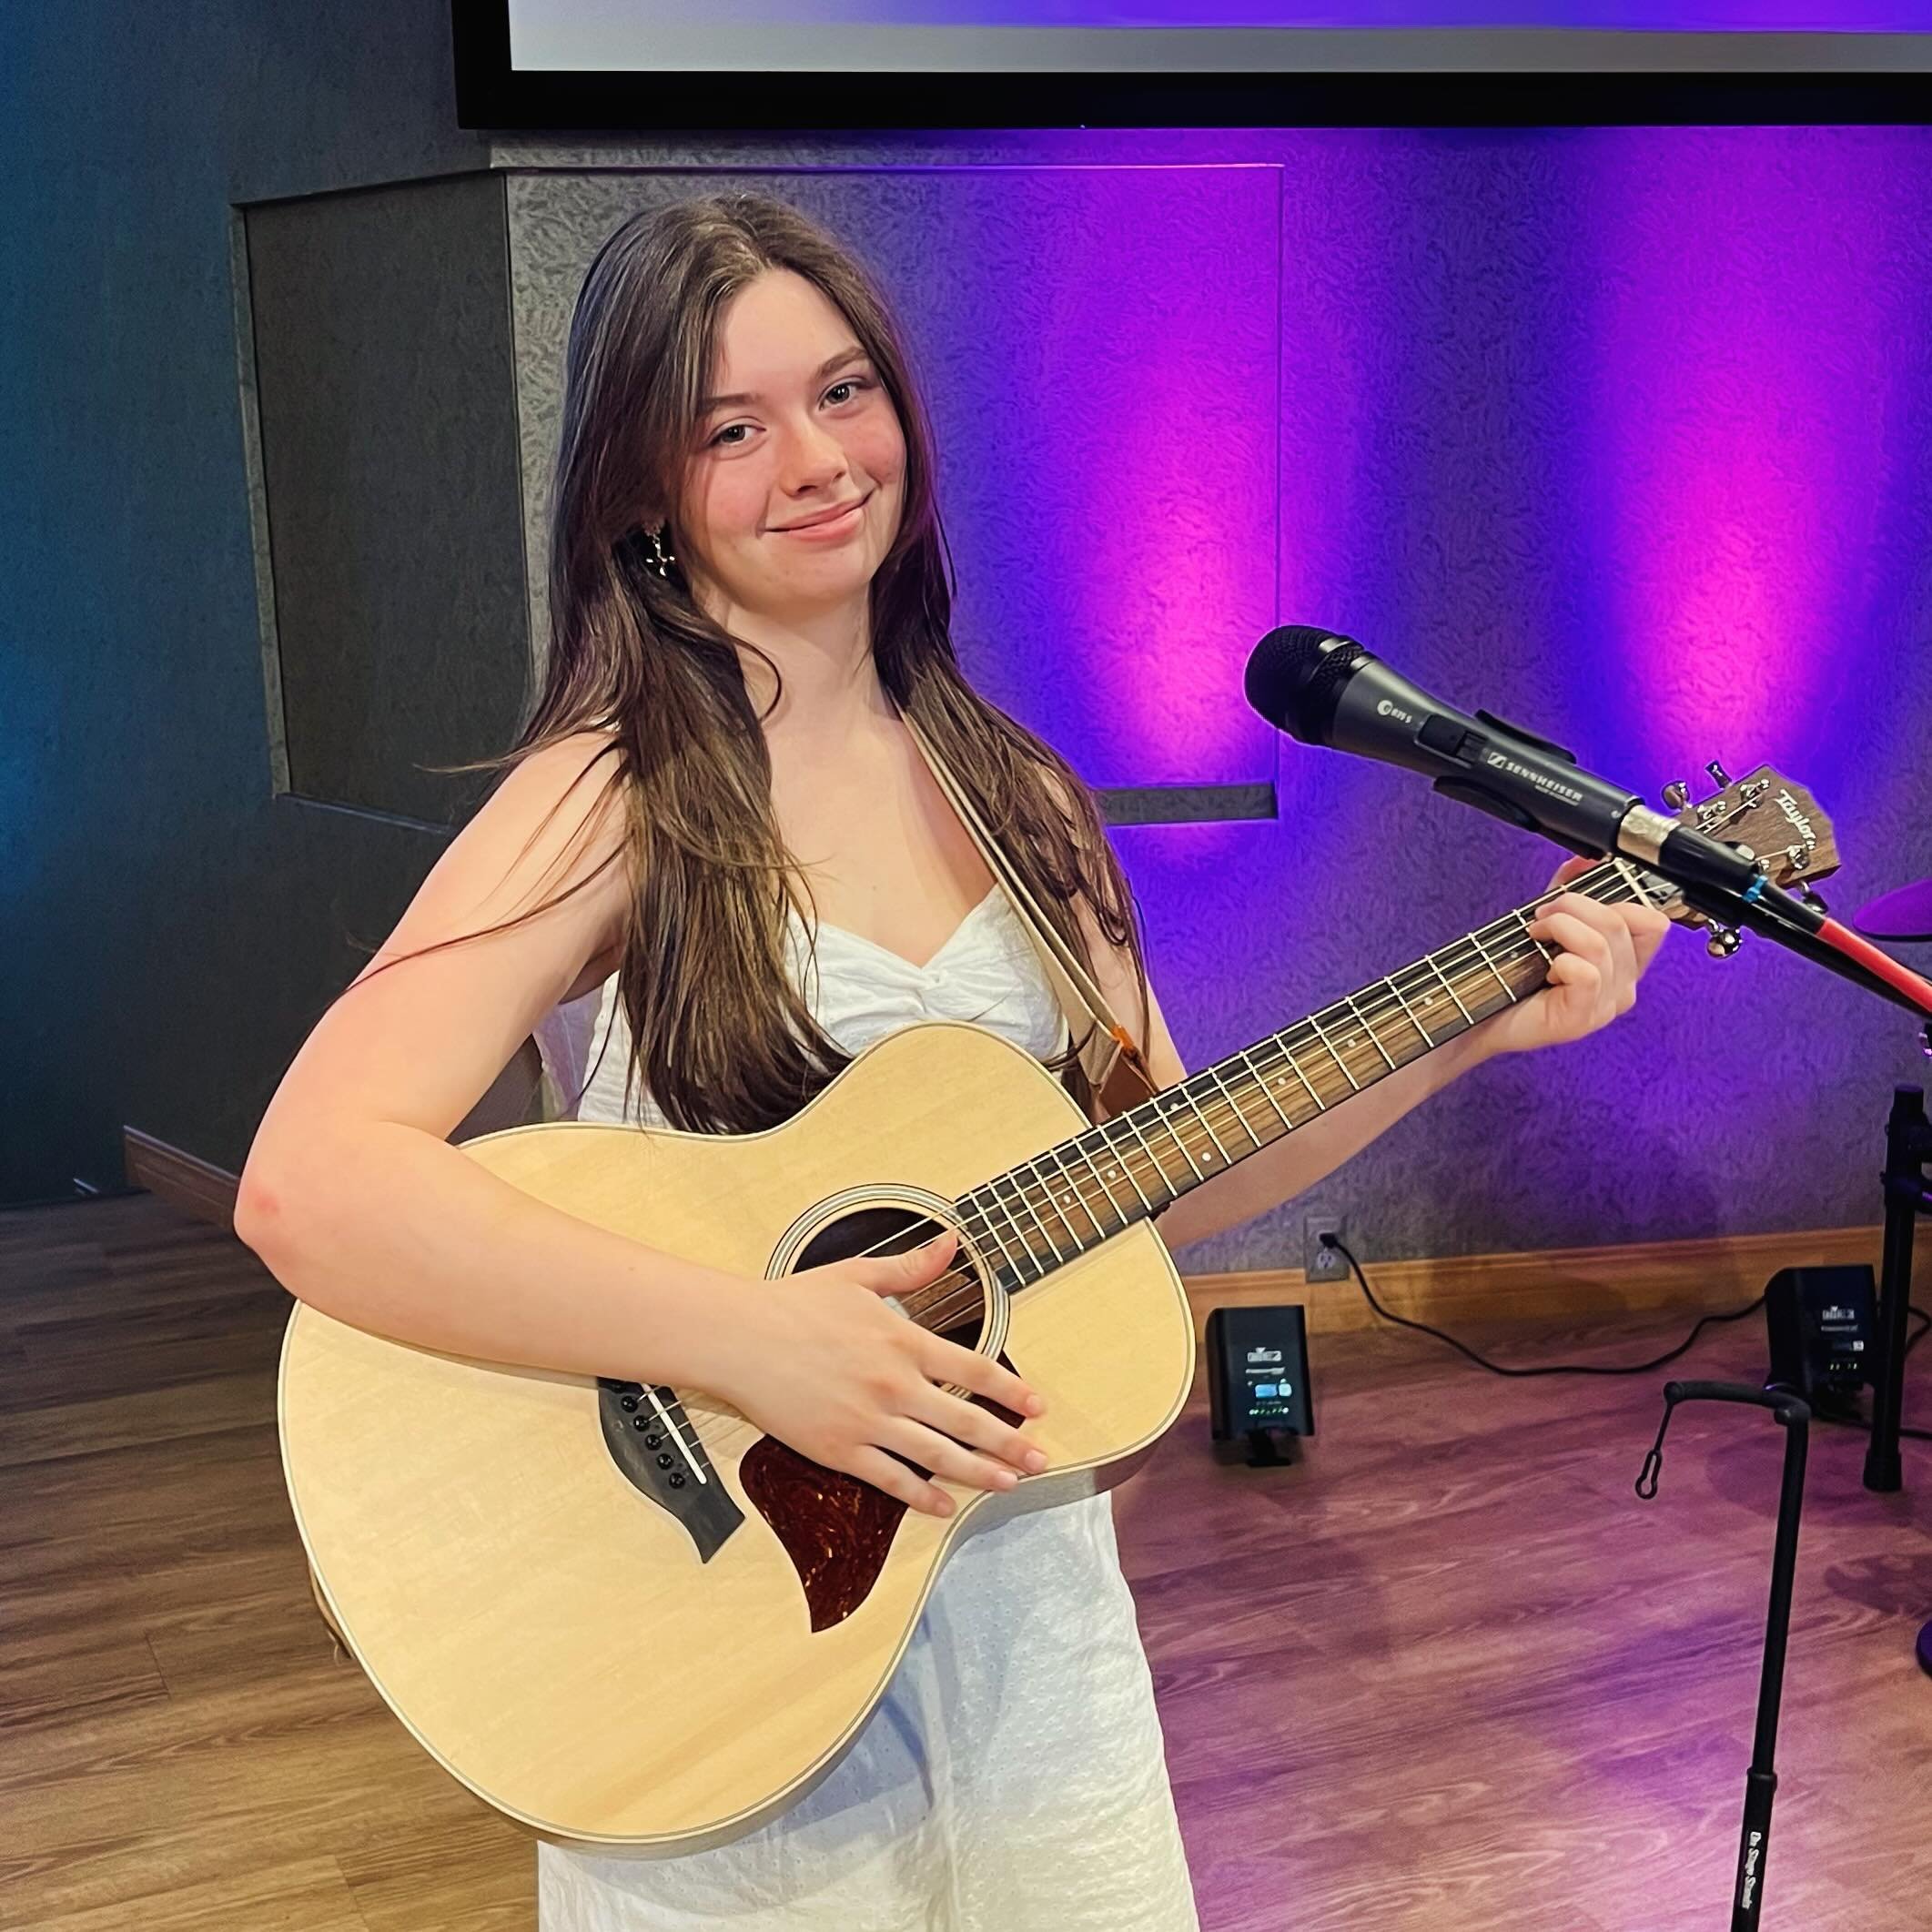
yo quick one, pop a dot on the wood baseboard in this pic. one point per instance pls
(196, 1187)
(1569, 1284)
(1708, 1274)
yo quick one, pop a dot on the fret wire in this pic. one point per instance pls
(1266, 1090)
(1414, 1021)
(1035, 1188)
(1080, 1194)
(1120, 1163)
(1510, 937)
(1078, 1142)
(1483, 954)
(1354, 1084)
(1367, 1028)
(1428, 997)
(1541, 945)
(1431, 963)
(1224, 1096)
(1287, 1052)
(1025, 1201)
(1131, 1119)
(982, 1245)
(1001, 1240)
(1228, 1095)
(1046, 1187)
(1019, 1233)
(1183, 1090)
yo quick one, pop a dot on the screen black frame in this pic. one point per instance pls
(1897, 90)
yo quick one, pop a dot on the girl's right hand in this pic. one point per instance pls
(821, 1360)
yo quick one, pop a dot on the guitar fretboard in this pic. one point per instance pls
(1035, 1218)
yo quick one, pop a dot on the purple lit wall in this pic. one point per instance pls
(1624, 433)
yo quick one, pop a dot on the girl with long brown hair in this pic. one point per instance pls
(716, 869)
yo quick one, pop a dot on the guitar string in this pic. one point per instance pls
(966, 1289)
(963, 1286)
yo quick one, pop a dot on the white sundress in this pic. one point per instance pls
(1013, 1778)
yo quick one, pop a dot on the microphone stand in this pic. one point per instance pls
(1907, 1148)
(1794, 1415)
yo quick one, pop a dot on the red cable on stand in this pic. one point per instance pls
(1844, 940)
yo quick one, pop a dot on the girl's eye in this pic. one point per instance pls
(845, 382)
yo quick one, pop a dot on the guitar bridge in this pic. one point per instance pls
(653, 1442)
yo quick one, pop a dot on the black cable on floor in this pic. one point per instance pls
(1588, 1368)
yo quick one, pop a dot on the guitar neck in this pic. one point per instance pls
(1035, 1218)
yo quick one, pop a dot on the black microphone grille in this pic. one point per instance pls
(1295, 675)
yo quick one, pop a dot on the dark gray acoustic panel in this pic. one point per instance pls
(383, 357)
(1184, 804)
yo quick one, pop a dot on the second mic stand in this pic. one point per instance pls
(1907, 1148)
(1794, 1415)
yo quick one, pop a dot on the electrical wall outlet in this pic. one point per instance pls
(1320, 1263)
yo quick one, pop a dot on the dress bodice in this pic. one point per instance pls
(986, 971)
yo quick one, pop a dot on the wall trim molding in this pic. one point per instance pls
(196, 1187)
(1706, 1274)
(1709, 1273)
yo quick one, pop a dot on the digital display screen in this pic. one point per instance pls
(1143, 36)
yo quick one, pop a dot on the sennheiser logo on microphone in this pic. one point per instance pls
(1502, 761)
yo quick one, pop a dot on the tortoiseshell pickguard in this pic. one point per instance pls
(837, 1529)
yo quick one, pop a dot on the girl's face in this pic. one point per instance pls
(795, 423)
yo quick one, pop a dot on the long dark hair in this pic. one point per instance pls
(722, 1038)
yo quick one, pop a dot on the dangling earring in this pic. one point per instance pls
(661, 559)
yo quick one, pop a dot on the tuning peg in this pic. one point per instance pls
(1724, 941)
(1809, 895)
(1719, 776)
(1677, 794)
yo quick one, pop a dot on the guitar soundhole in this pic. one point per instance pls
(837, 1530)
(960, 1305)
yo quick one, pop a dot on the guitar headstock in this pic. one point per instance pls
(1767, 817)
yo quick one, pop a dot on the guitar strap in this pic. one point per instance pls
(1114, 1065)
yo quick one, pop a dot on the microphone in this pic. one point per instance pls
(1325, 689)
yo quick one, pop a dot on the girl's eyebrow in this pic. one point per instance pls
(706, 404)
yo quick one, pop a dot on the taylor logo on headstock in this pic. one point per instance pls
(1767, 818)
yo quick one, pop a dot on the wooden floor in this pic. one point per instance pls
(1447, 1673)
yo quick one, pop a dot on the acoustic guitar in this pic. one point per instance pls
(634, 1623)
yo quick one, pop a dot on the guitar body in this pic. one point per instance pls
(639, 1669)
